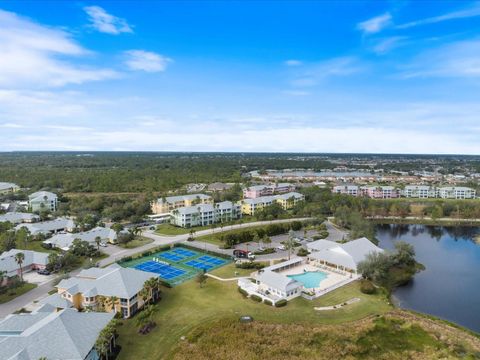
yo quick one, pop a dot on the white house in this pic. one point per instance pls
(19, 217)
(33, 260)
(49, 227)
(65, 241)
(43, 200)
(189, 216)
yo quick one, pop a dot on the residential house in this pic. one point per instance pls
(6, 187)
(19, 217)
(65, 241)
(49, 334)
(33, 260)
(94, 287)
(49, 227)
(43, 200)
(170, 203)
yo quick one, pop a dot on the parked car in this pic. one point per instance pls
(102, 244)
(43, 272)
(281, 247)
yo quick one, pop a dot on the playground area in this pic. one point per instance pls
(177, 264)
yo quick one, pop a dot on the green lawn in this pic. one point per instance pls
(13, 293)
(228, 271)
(138, 241)
(187, 306)
(35, 246)
(170, 230)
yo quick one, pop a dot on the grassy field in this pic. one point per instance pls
(170, 230)
(138, 241)
(230, 271)
(215, 237)
(13, 293)
(187, 307)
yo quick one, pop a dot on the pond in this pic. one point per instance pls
(450, 286)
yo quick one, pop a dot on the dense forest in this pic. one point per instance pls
(160, 172)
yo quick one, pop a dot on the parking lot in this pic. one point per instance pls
(33, 278)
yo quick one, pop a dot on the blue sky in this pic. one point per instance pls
(360, 76)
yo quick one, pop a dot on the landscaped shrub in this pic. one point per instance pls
(265, 251)
(126, 258)
(267, 302)
(367, 287)
(256, 298)
(146, 253)
(296, 225)
(281, 303)
(166, 284)
(243, 292)
(251, 265)
(302, 252)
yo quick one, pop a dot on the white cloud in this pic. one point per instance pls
(34, 55)
(385, 45)
(375, 24)
(461, 14)
(315, 73)
(105, 22)
(293, 62)
(459, 59)
(146, 61)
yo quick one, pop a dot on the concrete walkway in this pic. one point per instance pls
(229, 279)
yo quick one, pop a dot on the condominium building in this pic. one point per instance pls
(256, 191)
(43, 201)
(205, 214)
(6, 187)
(287, 201)
(91, 287)
(65, 241)
(380, 192)
(456, 192)
(167, 204)
(49, 227)
(419, 191)
(352, 190)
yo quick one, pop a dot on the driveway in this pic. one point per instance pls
(34, 278)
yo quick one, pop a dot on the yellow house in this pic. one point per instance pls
(113, 288)
(169, 203)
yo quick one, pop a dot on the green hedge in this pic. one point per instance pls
(256, 298)
(251, 265)
(367, 287)
(281, 303)
(243, 292)
(267, 302)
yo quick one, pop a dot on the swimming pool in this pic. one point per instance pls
(310, 279)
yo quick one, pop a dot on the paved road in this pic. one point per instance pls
(115, 253)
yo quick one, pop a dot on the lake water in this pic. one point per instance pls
(450, 286)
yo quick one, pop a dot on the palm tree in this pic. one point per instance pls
(290, 242)
(3, 275)
(98, 240)
(19, 257)
(111, 301)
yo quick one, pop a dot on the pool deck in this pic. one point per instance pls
(330, 281)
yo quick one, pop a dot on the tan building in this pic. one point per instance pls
(286, 201)
(96, 287)
(167, 204)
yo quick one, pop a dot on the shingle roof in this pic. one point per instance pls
(7, 185)
(18, 217)
(113, 280)
(64, 241)
(67, 334)
(48, 226)
(195, 209)
(173, 199)
(41, 195)
(8, 263)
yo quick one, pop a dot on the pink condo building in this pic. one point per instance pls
(380, 192)
(257, 191)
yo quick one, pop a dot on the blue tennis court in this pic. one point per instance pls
(171, 256)
(211, 260)
(167, 272)
(184, 252)
(199, 265)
